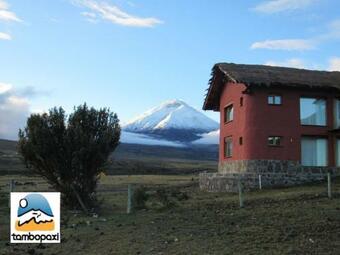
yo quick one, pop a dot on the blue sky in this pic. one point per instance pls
(131, 55)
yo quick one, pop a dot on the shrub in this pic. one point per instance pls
(139, 198)
(70, 152)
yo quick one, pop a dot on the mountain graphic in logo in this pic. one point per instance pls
(34, 214)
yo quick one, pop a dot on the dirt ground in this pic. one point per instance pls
(299, 220)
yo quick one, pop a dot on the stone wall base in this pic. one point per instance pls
(274, 173)
(214, 182)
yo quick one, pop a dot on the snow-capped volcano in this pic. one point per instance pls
(172, 120)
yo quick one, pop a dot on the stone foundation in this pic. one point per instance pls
(274, 173)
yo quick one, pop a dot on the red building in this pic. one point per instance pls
(276, 120)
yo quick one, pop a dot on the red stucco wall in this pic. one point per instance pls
(256, 120)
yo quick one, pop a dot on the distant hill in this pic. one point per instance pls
(7, 145)
(134, 159)
(9, 159)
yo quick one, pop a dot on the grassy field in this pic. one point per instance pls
(299, 220)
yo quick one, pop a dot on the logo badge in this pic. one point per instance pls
(35, 217)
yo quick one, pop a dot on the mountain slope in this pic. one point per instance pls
(130, 158)
(173, 120)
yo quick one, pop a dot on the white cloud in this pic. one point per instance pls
(3, 4)
(334, 64)
(275, 6)
(90, 16)
(293, 62)
(6, 14)
(209, 138)
(14, 109)
(332, 32)
(4, 36)
(128, 137)
(5, 87)
(115, 15)
(286, 44)
(13, 112)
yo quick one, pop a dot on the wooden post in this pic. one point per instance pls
(129, 200)
(329, 185)
(11, 189)
(260, 181)
(240, 193)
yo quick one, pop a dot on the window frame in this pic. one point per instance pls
(316, 137)
(231, 105)
(337, 150)
(335, 113)
(274, 95)
(225, 152)
(326, 111)
(280, 138)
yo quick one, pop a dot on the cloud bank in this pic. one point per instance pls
(332, 32)
(109, 12)
(6, 14)
(4, 36)
(286, 44)
(275, 6)
(14, 110)
(293, 62)
(334, 64)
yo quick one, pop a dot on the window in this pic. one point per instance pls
(241, 101)
(313, 151)
(274, 140)
(240, 140)
(228, 147)
(337, 113)
(228, 113)
(274, 99)
(313, 111)
(337, 156)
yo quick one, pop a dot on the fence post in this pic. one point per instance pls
(240, 193)
(329, 185)
(129, 200)
(11, 189)
(260, 181)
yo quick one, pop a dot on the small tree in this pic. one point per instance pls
(70, 153)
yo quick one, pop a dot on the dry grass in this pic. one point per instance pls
(300, 220)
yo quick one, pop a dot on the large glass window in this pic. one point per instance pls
(313, 111)
(337, 156)
(337, 113)
(228, 113)
(313, 151)
(228, 147)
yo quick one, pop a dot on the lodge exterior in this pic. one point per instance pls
(280, 123)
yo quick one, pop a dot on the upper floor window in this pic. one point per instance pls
(337, 113)
(274, 140)
(228, 147)
(228, 113)
(274, 100)
(313, 111)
